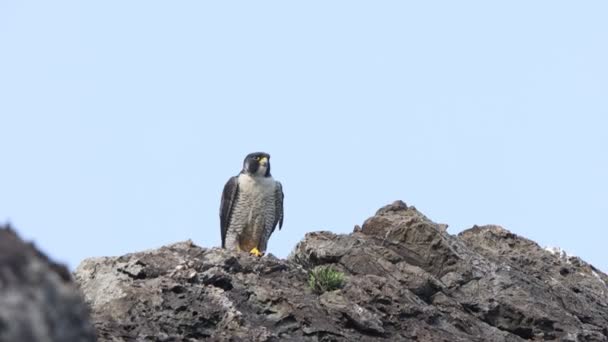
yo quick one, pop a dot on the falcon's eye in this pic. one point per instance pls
(256, 158)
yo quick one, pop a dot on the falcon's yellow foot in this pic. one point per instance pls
(256, 252)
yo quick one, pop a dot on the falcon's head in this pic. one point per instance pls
(257, 164)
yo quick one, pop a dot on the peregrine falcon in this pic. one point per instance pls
(252, 206)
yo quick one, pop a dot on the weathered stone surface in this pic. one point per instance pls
(38, 299)
(541, 294)
(407, 279)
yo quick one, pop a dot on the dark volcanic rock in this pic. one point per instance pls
(38, 300)
(407, 279)
(542, 294)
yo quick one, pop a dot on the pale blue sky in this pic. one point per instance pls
(121, 120)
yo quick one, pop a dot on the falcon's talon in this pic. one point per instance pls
(256, 252)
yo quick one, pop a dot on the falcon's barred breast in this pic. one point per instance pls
(251, 207)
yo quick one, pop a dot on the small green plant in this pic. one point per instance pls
(325, 278)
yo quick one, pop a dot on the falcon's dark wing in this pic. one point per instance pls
(278, 214)
(228, 199)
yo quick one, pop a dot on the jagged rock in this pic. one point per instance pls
(38, 299)
(406, 279)
(542, 294)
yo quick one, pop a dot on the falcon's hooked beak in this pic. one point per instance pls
(264, 161)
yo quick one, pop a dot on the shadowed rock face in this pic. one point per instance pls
(38, 300)
(407, 279)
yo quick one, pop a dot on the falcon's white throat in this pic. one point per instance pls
(261, 171)
(257, 184)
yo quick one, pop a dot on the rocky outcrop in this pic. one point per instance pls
(38, 299)
(406, 279)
